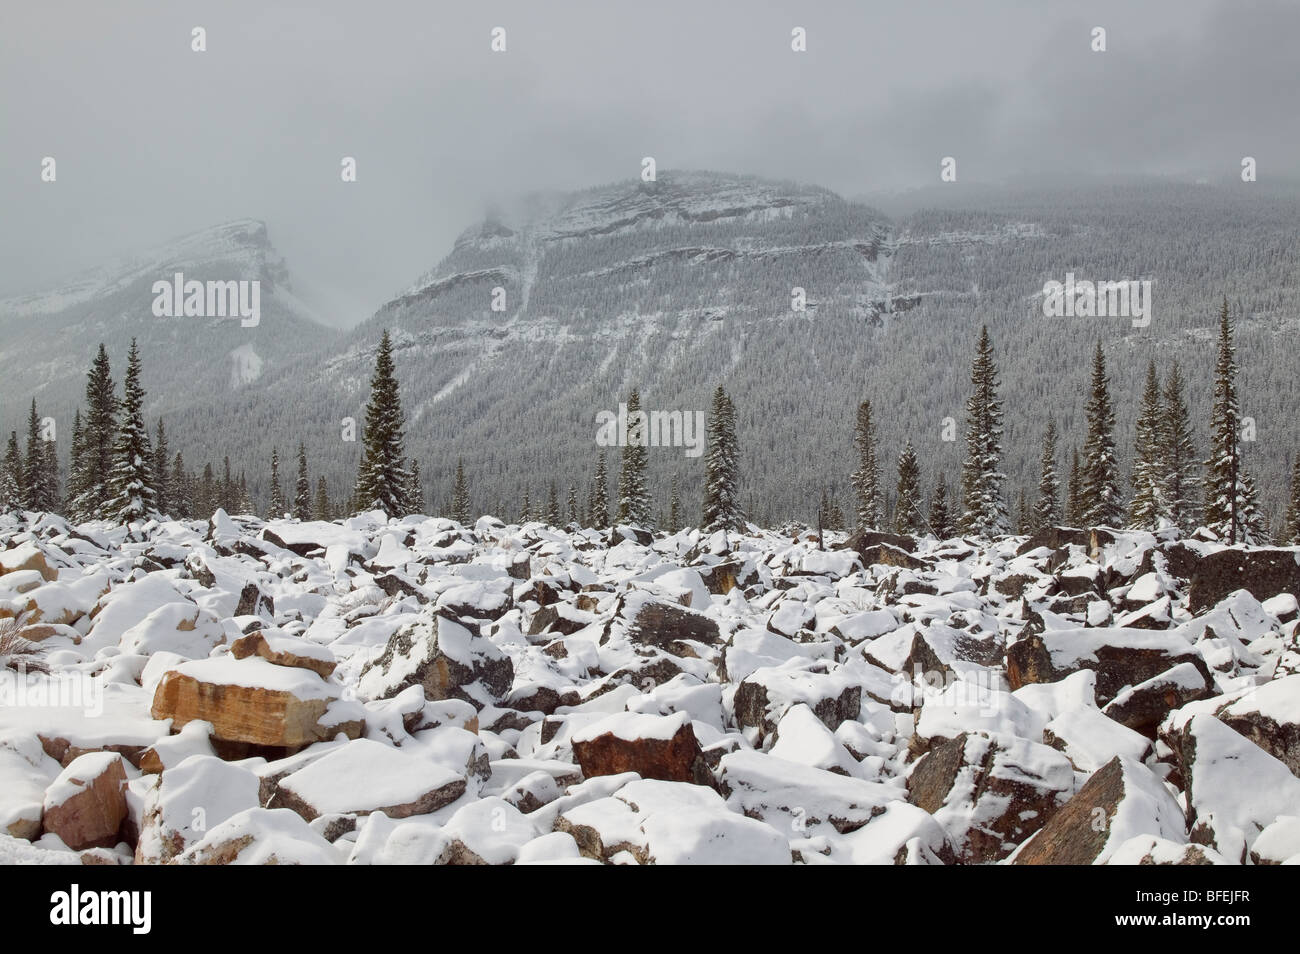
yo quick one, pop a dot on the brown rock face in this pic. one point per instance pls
(1077, 833)
(1030, 661)
(662, 624)
(673, 760)
(92, 814)
(253, 715)
(1145, 706)
(254, 644)
(1264, 573)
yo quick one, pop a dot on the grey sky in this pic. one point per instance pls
(153, 140)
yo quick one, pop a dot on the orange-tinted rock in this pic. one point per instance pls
(85, 805)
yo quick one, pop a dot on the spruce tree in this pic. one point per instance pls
(674, 507)
(278, 505)
(11, 477)
(573, 504)
(322, 509)
(227, 490)
(1178, 449)
(1103, 504)
(1074, 492)
(76, 470)
(52, 473)
(984, 511)
(460, 505)
(100, 432)
(182, 501)
(416, 495)
(633, 494)
(383, 481)
(598, 499)
(836, 520)
(1230, 506)
(1047, 510)
(866, 479)
(205, 500)
(244, 503)
(1148, 504)
(941, 522)
(907, 509)
(1024, 514)
(131, 480)
(722, 509)
(39, 496)
(1291, 526)
(161, 477)
(302, 488)
(553, 506)
(526, 506)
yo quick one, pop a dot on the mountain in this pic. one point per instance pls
(50, 338)
(677, 285)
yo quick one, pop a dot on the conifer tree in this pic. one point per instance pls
(322, 509)
(598, 498)
(52, 473)
(1180, 477)
(633, 495)
(1103, 505)
(302, 489)
(1074, 492)
(38, 494)
(11, 477)
(1148, 504)
(1290, 532)
(674, 507)
(941, 522)
(836, 520)
(983, 509)
(383, 481)
(161, 477)
(100, 431)
(526, 507)
(866, 479)
(907, 509)
(206, 500)
(227, 491)
(1047, 510)
(76, 470)
(573, 504)
(722, 509)
(1024, 516)
(131, 480)
(278, 505)
(244, 503)
(182, 501)
(417, 502)
(1230, 504)
(460, 505)
(553, 506)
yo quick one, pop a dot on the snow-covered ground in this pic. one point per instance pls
(416, 691)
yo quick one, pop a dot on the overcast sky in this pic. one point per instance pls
(153, 140)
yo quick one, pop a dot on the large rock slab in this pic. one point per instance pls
(449, 660)
(1263, 572)
(86, 804)
(653, 746)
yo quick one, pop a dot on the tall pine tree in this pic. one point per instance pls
(1290, 533)
(100, 431)
(302, 503)
(866, 479)
(1103, 505)
(131, 481)
(383, 482)
(907, 508)
(278, 505)
(598, 498)
(1074, 493)
(1181, 471)
(11, 477)
(322, 509)
(460, 504)
(941, 522)
(1148, 504)
(722, 510)
(1047, 509)
(984, 512)
(161, 477)
(633, 493)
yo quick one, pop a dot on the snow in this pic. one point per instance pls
(635, 725)
(365, 775)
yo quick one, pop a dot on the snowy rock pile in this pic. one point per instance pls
(416, 691)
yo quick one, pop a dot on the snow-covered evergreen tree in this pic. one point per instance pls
(460, 504)
(1074, 492)
(598, 497)
(866, 479)
(182, 501)
(1290, 531)
(674, 506)
(633, 493)
(278, 505)
(75, 469)
(1231, 510)
(942, 524)
(1181, 467)
(1047, 509)
(1024, 513)
(130, 483)
(40, 495)
(416, 493)
(1103, 505)
(384, 482)
(11, 477)
(99, 428)
(722, 510)
(553, 506)
(322, 509)
(574, 517)
(1148, 504)
(907, 506)
(526, 506)
(302, 488)
(984, 512)
(161, 475)
(243, 502)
